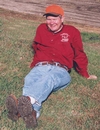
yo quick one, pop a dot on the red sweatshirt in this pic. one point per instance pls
(64, 47)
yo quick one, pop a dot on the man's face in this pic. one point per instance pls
(54, 23)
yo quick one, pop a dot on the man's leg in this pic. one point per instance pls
(39, 83)
(42, 80)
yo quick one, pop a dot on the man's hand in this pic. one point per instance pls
(94, 77)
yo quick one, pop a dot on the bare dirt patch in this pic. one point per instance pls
(82, 27)
(83, 14)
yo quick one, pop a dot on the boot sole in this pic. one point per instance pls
(11, 105)
(26, 111)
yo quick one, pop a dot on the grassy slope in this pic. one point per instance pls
(74, 108)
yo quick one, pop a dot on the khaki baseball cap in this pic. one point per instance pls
(54, 10)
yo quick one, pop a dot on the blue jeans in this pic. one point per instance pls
(42, 80)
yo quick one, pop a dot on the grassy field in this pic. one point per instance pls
(75, 108)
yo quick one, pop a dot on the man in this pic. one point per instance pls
(58, 48)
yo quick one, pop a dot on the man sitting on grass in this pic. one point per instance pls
(58, 48)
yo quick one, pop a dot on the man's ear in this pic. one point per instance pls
(62, 19)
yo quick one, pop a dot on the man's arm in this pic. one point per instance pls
(80, 58)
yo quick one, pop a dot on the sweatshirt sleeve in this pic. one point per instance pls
(80, 58)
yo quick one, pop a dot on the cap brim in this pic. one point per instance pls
(51, 14)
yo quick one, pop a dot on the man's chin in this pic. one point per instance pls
(53, 30)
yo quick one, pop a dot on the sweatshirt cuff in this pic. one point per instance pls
(85, 74)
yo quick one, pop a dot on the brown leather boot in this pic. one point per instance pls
(12, 107)
(27, 112)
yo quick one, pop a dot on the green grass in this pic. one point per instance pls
(90, 37)
(77, 107)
